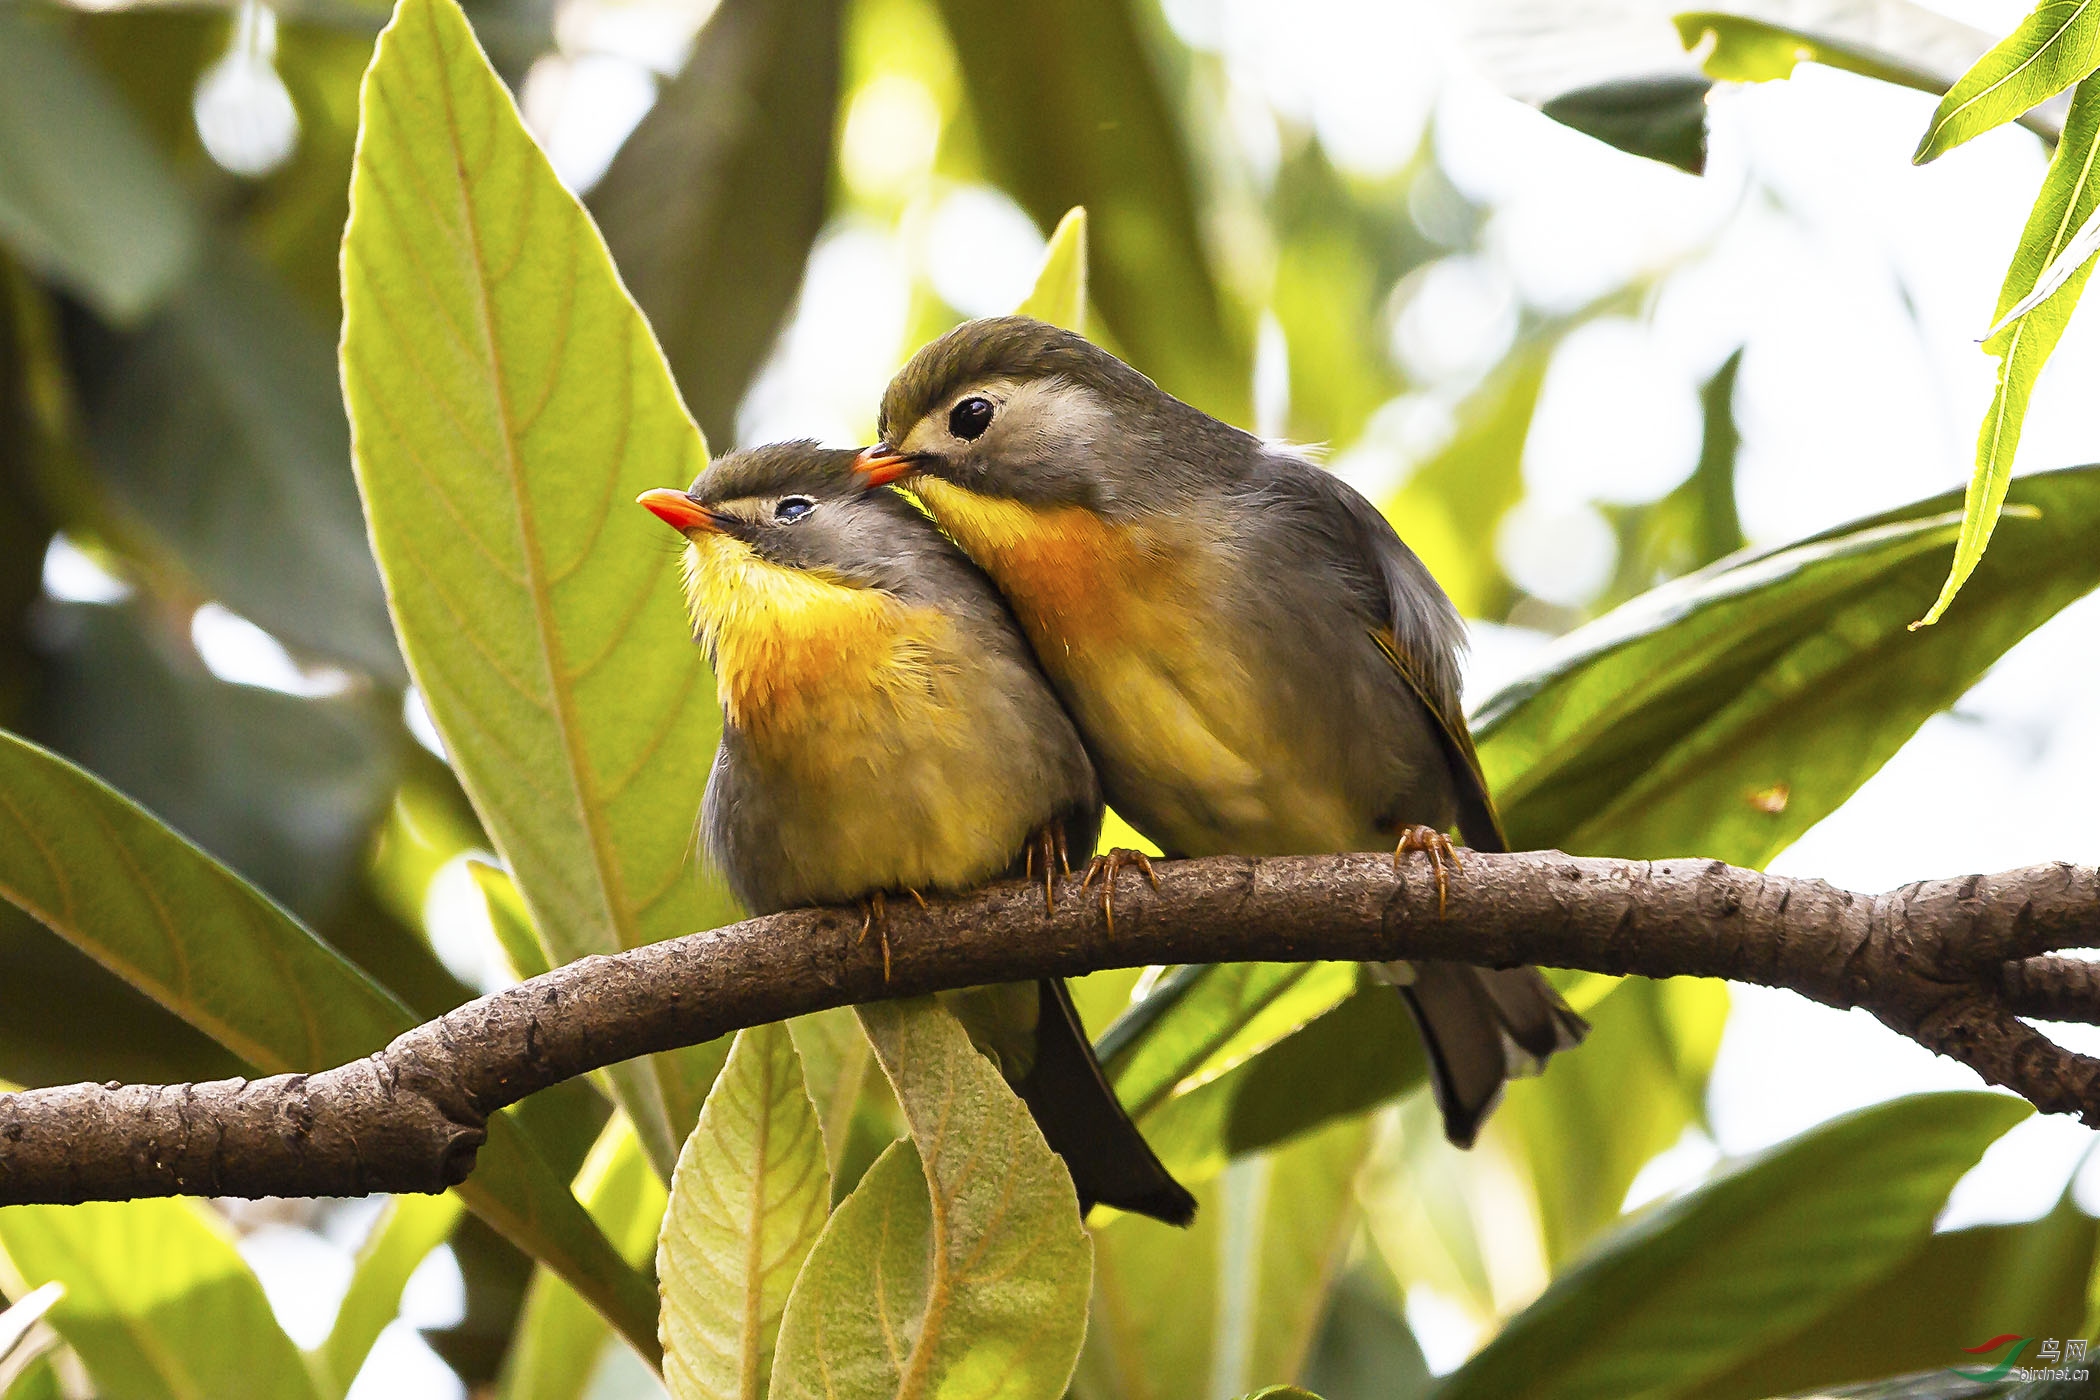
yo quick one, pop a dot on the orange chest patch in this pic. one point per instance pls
(1075, 581)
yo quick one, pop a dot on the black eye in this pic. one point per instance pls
(793, 508)
(970, 418)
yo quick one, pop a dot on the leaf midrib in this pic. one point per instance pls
(604, 867)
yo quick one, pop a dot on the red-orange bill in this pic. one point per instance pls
(676, 509)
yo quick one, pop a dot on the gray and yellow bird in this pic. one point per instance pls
(1256, 662)
(885, 729)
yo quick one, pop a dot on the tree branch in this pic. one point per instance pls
(1952, 964)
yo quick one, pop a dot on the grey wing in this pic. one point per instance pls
(1421, 633)
(734, 831)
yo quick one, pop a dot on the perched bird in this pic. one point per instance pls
(1256, 662)
(886, 730)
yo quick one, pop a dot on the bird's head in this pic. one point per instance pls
(1017, 410)
(780, 530)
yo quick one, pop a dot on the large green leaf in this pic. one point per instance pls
(84, 197)
(158, 1304)
(150, 907)
(1235, 1301)
(1206, 1020)
(1691, 1289)
(411, 1228)
(560, 1339)
(285, 790)
(750, 1194)
(1642, 1071)
(2069, 198)
(506, 405)
(712, 204)
(1071, 109)
(1725, 713)
(2054, 47)
(964, 1276)
(1957, 1289)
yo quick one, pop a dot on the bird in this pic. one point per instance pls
(886, 730)
(1256, 662)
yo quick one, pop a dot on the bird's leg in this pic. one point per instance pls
(1110, 864)
(875, 914)
(1048, 844)
(1435, 845)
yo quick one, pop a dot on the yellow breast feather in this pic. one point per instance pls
(794, 650)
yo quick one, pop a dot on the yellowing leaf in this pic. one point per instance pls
(750, 1194)
(958, 1266)
(1059, 294)
(507, 403)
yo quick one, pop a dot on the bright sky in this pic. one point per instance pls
(1859, 283)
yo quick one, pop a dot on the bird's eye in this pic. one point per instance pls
(970, 418)
(793, 508)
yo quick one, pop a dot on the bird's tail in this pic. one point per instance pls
(1084, 1122)
(1481, 1028)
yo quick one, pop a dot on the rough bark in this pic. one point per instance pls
(1953, 964)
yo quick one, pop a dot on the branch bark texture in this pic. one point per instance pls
(1953, 964)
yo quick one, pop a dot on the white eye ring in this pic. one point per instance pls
(789, 509)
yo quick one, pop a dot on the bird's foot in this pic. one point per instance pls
(1107, 866)
(1437, 846)
(875, 914)
(1048, 846)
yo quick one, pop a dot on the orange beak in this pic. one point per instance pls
(677, 510)
(882, 464)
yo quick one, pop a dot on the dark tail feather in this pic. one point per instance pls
(1085, 1124)
(1481, 1027)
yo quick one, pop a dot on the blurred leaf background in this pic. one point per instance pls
(1571, 375)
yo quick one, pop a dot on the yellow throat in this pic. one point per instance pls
(793, 649)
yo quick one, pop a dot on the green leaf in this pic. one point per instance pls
(506, 406)
(84, 197)
(1235, 1301)
(150, 907)
(858, 1112)
(511, 920)
(1059, 294)
(751, 1192)
(49, 989)
(220, 426)
(1956, 1289)
(1726, 712)
(1643, 1071)
(158, 1304)
(284, 789)
(1070, 109)
(1366, 1351)
(1662, 117)
(2069, 197)
(1204, 1020)
(966, 1276)
(560, 1338)
(1685, 1292)
(712, 203)
(1746, 50)
(399, 1242)
(2054, 47)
